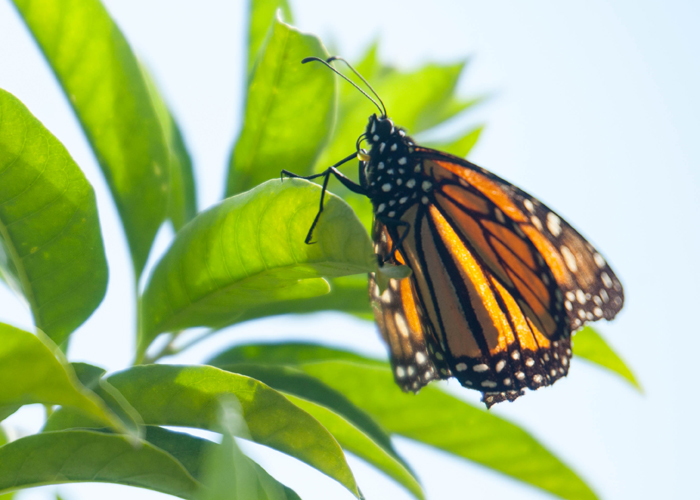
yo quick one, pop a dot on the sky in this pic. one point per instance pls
(594, 110)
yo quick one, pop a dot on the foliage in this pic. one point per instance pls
(245, 258)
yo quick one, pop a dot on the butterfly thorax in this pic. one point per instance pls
(393, 176)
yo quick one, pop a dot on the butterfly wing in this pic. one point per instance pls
(590, 288)
(490, 298)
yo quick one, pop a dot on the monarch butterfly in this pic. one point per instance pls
(499, 281)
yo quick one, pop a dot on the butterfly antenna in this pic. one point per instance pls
(381, 108)
(357, 73)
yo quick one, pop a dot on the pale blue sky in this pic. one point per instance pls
(595, 111)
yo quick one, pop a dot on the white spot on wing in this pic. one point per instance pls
(569, 258)
(401, 325)
(553, 224)
(461, 367)
(599, 260)
(536, 222)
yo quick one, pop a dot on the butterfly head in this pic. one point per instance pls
(385, 140)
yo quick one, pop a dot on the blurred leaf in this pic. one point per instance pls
(189, 397)
(354, 429)
(103, 82)
(90, 456)
(287, 353)
(249, 251)
(3, 440)
(32, 370)
(182, 199)
(355, 441)
(261, 15)
(91, 377)
(289, 111)
(293, 381)
(229, 473)
(460, 146)
(457, 428)
(51, 248)
(189, 450)
(589, 345)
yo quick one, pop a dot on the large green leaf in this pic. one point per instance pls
(289, 111)
(190, 396)
(249, 251)
(33, 370)
(457, 428)
(91, 377)
(348, 294)
(589, 345)
(261, 15)
(353, 428)
(3, 440)
(229, 473)
(102, 79)
(90, 456)
(355, 441)
(51, 248)
(182, 199)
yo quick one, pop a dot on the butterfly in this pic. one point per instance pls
(499, 281)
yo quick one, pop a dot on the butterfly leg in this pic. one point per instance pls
(395, 245)
(348, 183)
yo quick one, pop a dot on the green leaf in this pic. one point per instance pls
(32, 370)
(348, 294)
(182, 200)
(3, 440)
(293, 381)
(261, 15)
(287, 353)
(189, 450)
(90, 456)
(249, 251)
(589, 345)
(354, 429)
(51, 249)
(458, 428)
(189, 397)
(192, 452)
(91, 377)
(289, 111)
(355, 441)
(460, 146)
(229, 473)
(103, 82)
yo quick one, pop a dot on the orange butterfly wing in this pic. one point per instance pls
(499, 282)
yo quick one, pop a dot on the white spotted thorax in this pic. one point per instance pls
(393, 178)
